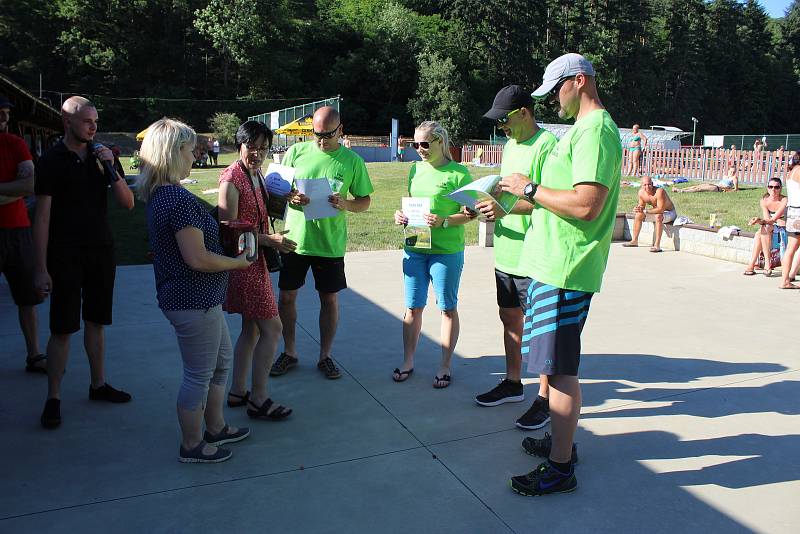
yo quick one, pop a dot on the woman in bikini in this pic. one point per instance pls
(773, 208)
(636, 148)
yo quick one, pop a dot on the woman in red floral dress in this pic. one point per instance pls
(250, 291)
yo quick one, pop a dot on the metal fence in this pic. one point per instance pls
(276, 119)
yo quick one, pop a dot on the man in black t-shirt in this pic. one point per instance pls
(74, 249)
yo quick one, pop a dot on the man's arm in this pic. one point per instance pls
(522, 207)
(584, 202)
(41, 235)
(22, 185)
(356, 205)
(122, 193)
(658, 207)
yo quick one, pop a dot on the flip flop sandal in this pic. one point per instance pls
(31, 367)
(443, 378)
(629, 245)
(242, 400)
(402, 376)
(263, 413)
(654, 249)
(749, 273)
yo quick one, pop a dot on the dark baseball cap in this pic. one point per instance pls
(508, 99)
(5, 102)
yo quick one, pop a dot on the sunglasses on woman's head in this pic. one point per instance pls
(423, 144)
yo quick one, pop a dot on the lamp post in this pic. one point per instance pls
(694, 129)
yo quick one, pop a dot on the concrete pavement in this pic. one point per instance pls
(691, 417)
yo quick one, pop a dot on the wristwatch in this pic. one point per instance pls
(445, 222)
(530, 191)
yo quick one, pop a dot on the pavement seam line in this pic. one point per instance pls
(208, 484)
(422, 444)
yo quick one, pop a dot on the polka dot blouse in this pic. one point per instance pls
(171, 209)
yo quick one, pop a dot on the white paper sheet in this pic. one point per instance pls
(416, 209)
(318, 191)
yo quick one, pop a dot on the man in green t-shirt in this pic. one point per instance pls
(565, 254)
(321, 243)
(525, 152)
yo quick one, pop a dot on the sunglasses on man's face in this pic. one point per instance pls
(504, 120)
(423, 144)
(557, 87)
(326, 135)
(773, 187)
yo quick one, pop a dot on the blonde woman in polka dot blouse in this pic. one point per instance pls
(191, 279)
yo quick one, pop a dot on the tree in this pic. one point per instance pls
(440, 95)
(224, 126)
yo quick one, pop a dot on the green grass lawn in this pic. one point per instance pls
(375, 228)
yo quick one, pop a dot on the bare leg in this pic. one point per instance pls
(786, 262)
(659, 228)
(412, 325)
(328, 319)
(57, 355)
(191, 423)
(449, 332)
(243, 356)
(287, 309)
(544, 386)
(565, 408)
(638, 218)
(29, 325)
(765, 236)
(215, 420)
(754, 256)
(795, 267)
(512, 319)
(94, 343)
(263, 354)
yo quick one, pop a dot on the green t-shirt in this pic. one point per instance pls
(570, 253)
(509, 232)
(346, 172)
(426, 181)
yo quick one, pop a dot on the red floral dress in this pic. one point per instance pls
(249, 290)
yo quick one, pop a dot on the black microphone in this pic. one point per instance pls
(111, 173)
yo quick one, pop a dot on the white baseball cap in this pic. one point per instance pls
(560, 68)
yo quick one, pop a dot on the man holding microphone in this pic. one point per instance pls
(74, 249)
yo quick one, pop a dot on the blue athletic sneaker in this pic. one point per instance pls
(543, 480)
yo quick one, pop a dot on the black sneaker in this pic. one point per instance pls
(543, 480)
(51, 416)
(505, 391)
(541, 447)
(107, 393)
(537, 416)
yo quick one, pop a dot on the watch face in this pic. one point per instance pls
(528, 189)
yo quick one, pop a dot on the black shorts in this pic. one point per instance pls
(512, 290)
(328, 272)
(16, 263)
(80, 273)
